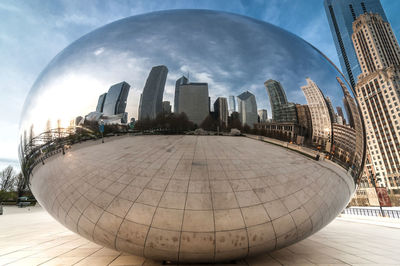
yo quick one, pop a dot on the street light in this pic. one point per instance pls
(376, 191)
(101, 129)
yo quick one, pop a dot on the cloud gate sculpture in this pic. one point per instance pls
(192, 136)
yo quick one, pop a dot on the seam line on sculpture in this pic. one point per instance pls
(184, 206)
(246, 227)
(104, 209)
(150, 153)
(213, 211)
(152, 219)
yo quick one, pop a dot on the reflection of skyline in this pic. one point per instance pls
(131, 62)
(222, 80)
(153, 91)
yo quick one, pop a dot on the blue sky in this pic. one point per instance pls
(33, 32)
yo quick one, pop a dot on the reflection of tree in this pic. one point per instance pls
(166, 123)
(7, 179)
(234, 121)
(210, 124)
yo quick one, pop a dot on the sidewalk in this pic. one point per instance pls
(34, 238)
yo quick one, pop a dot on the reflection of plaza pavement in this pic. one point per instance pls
(191, 198)
(33, 237)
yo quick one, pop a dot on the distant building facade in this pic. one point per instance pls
(341, 14)
(194, 102)
(282, 110)
(100, 103)
(115, 101)
(304, 123)
(344, 140)
(221, 110)
(263, 115)
(340, 114)
(181, 81)
(232, 104)
(288, 129)
(247, 108)
(355, 122)
(152, 95)
(378, 92)
(321, 120)
(331, 110)
(166, 106)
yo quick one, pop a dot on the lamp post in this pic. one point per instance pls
(376, 191)
(101, 129)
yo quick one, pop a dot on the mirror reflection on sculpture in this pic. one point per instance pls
(178, 86)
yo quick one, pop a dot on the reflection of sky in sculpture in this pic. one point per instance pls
(231, 53)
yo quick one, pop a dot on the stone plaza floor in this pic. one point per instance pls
(30, 236)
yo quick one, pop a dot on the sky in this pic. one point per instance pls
(33, 32)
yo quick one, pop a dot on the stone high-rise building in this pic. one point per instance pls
(321, 120)
(263, 115)
(340, 114)
(354, 122)
(194, 101)
(378, 92)
(341, 14)
(151, 99)
(304, 122)
(181, 81)
(331, 110)
(247, 108)
(221, 110)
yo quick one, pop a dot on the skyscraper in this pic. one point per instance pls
(331, 110)
(355, 122)
(221, 110)
(151, 101)
(178, 83)
(100, 103)
(263, 114)
(378, 93)
(304, 122)
(232, 104)
(282, 110)
(115, 102)
(341, 14)
(140, 105)
(321, 120)
(247, 108)
(166, 106)
(340, 114)
(277, 97)
(193, 101)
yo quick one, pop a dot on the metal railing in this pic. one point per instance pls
(372, 212)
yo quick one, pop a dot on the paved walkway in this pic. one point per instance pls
(32, 237)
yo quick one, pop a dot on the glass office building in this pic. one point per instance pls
(115, 101)
(341, 14)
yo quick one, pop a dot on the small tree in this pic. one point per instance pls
(7, 179)
(234, 121)
(246, 128)
(209, 123)
(21, 184)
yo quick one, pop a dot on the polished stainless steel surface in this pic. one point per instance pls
(86, 151)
